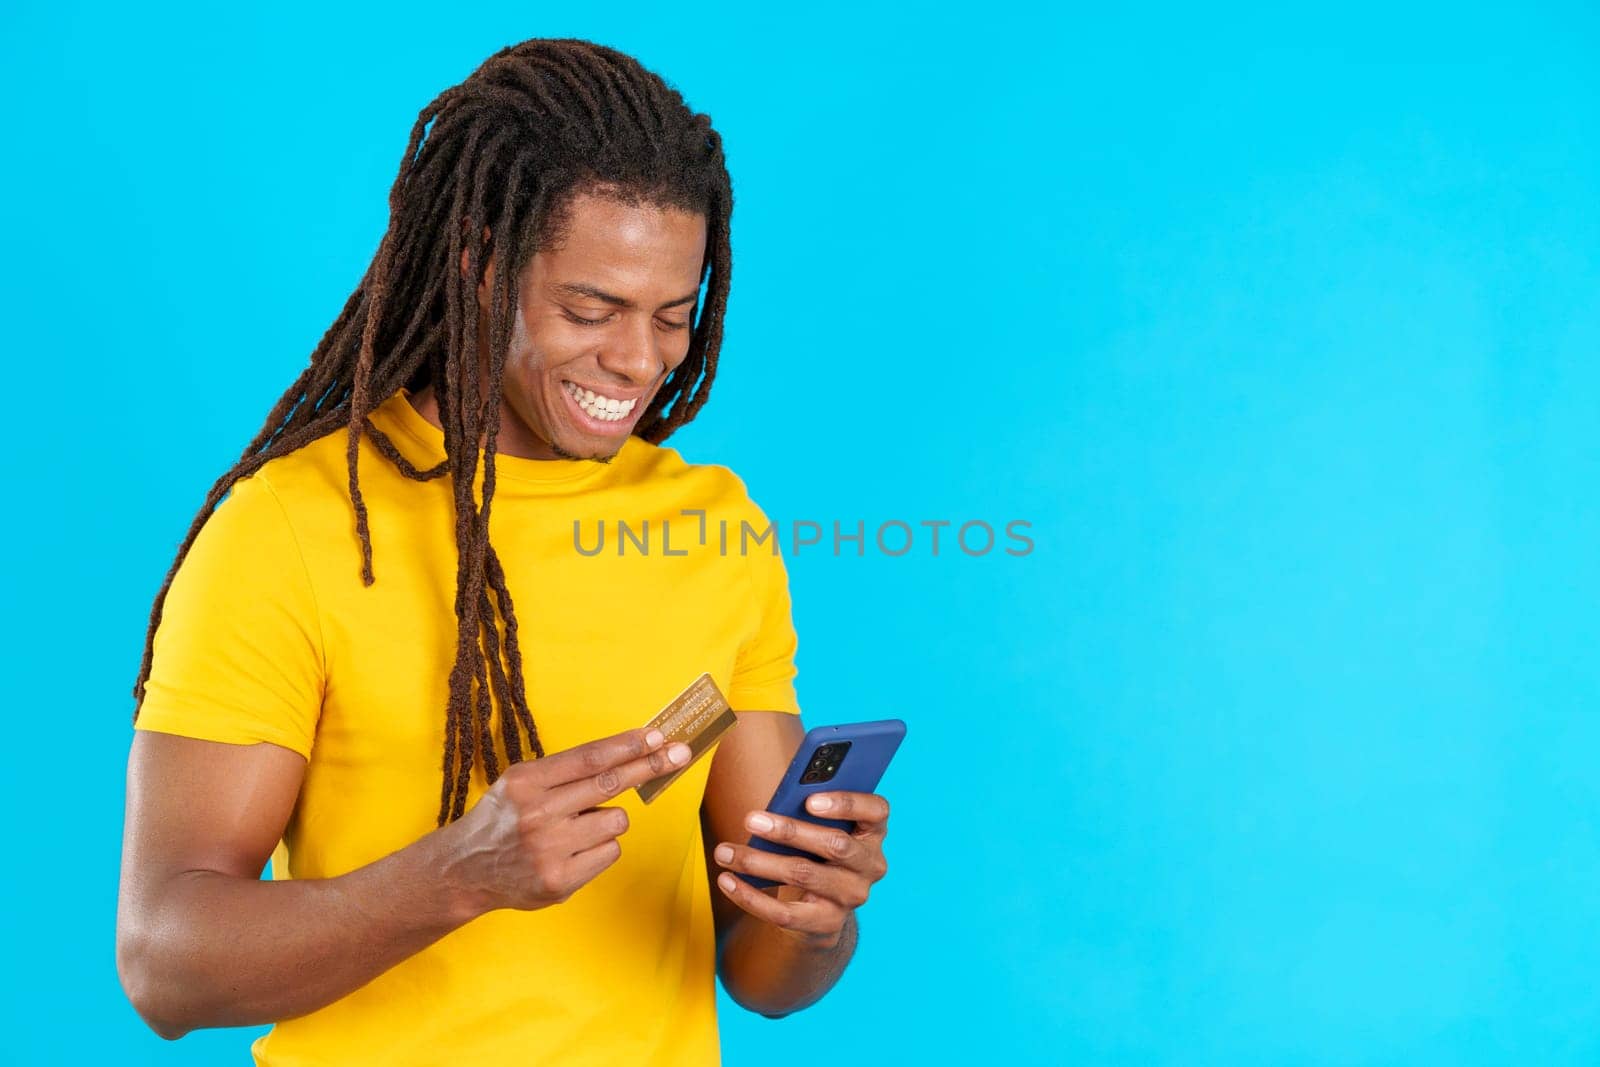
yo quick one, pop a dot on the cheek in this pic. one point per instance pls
(553, 344)
(676, 349)
(522, 382)
(533, 352)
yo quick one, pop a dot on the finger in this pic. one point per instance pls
(817, 918)
(825, 842)
(584, 865)
(839, 884)
(869, 811)
(597, 788)
(596, 826)
(593, 757)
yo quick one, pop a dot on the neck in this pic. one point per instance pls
(513, 438)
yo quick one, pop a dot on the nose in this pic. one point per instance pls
(634, 353)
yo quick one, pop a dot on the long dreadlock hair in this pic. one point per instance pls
(505, 152)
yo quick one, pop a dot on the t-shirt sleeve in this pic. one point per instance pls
(763, 676)
(238, 654)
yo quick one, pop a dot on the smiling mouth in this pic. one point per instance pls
(598, 405)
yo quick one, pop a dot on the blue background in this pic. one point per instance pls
(1281, 330)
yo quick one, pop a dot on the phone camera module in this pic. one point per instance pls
(825, 762)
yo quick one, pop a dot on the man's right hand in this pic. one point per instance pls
(203, 941)
(540, 833)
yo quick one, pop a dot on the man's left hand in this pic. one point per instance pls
(815, 896)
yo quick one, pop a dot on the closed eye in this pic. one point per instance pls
(580, 320)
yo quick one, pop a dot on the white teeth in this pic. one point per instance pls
(604, 408)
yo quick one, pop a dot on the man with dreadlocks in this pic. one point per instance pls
(531, 305)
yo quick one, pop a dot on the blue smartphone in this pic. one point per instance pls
(850, 757)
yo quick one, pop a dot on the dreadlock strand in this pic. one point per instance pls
(387, 449)
(519, 696)
(708, 339)
(571, 75)
(482, 706)
(377, 289)
(502, 692)
(462, 408)
(618, 87)
(502, 302)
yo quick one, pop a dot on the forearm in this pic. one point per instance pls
(769, 970)
(220, 950)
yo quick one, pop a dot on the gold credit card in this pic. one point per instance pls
(697, 717)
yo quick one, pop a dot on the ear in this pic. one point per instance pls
(486, 285)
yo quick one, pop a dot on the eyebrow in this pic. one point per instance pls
(596, 293)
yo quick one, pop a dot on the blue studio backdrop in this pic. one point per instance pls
(1278, 331)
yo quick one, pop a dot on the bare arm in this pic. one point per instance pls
(202, 942)
(782, 951)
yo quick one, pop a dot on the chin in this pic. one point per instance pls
(579, 452)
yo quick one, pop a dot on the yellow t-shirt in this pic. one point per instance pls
(268, 634)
